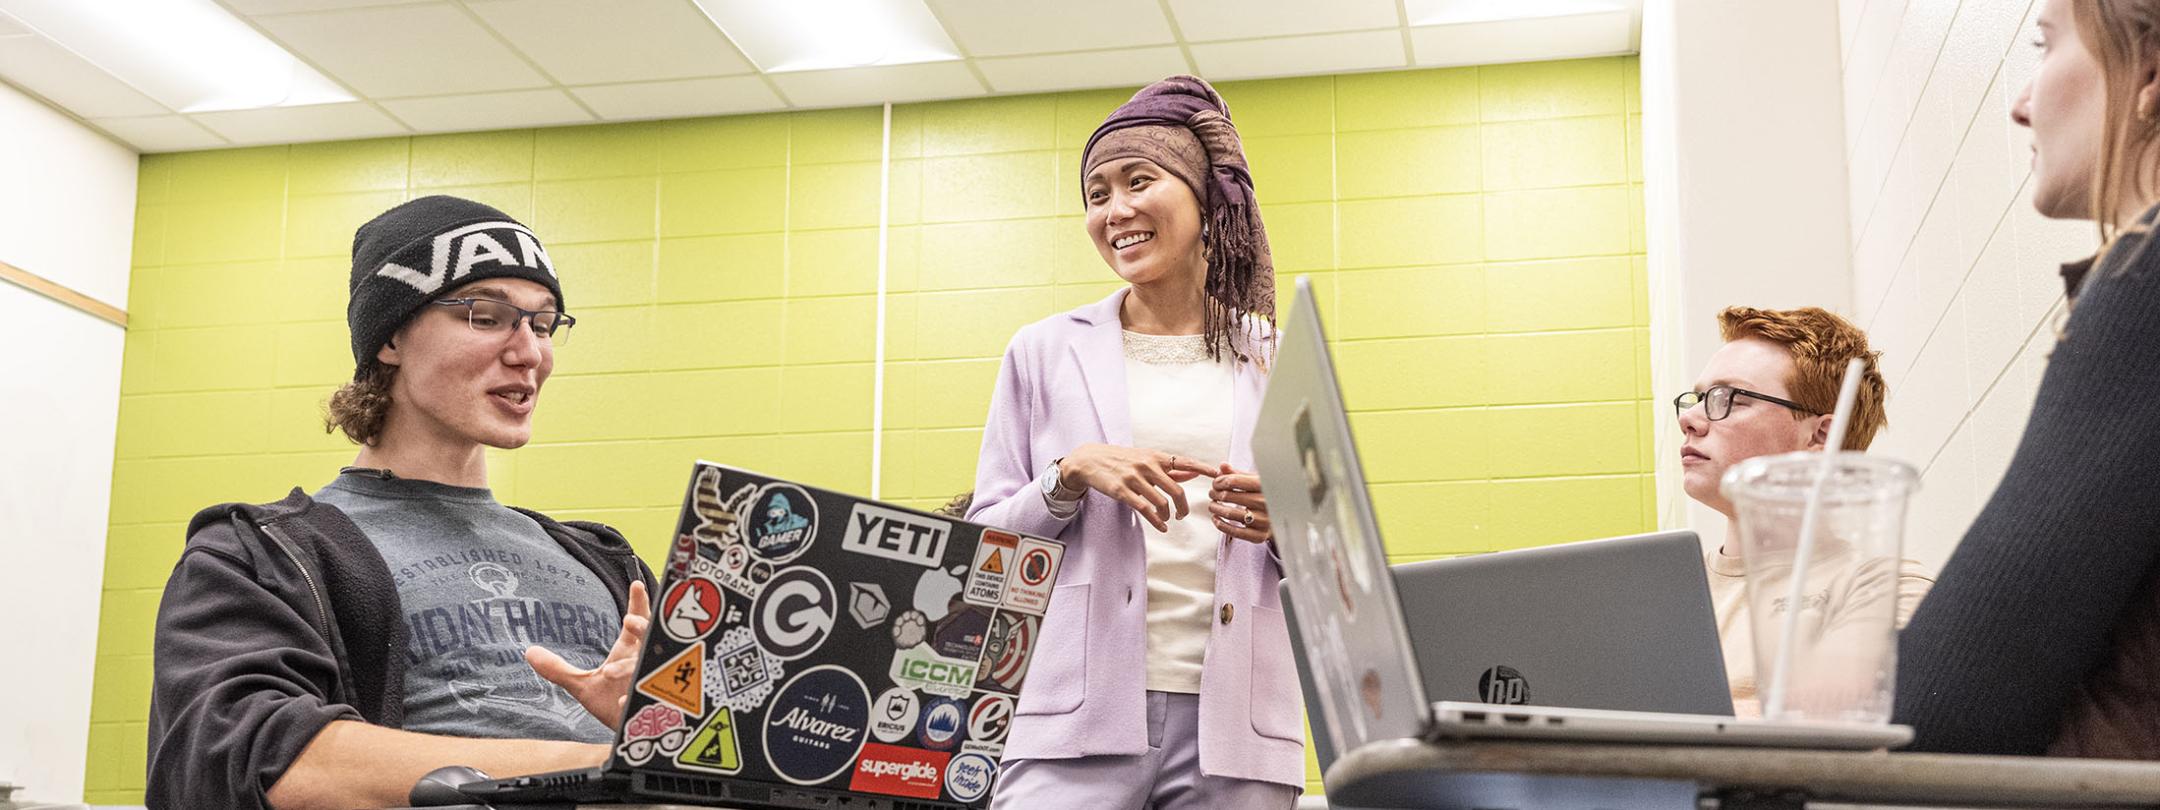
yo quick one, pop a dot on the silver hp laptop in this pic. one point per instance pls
(1356, 646)
(812, 649)
(1635, 630)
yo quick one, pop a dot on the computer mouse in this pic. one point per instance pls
(439, 788)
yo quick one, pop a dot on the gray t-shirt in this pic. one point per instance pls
(479, 583)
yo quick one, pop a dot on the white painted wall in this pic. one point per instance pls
(1954, 275)
(67, 214)
(1744, 187)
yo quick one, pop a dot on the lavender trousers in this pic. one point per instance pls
(1167, 777)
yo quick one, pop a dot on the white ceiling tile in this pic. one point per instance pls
(315, 122)
(1082, 71)
(417, 50)
(527, 108)
(873, 85)
(1299, 56)
(288, 6)
(1486, 43)
(1207, 20)
(41, 66)
(1008, 28)
(781, 37)
(583, 42)
(9, 27)
(160, 133)
(685, 98)
(1451, 12)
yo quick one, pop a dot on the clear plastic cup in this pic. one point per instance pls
(1841, 662)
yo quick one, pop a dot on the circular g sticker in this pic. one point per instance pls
(794, 613)
(783, 521)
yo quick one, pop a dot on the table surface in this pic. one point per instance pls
(1876, 777)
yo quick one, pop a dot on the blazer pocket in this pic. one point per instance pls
(1057, 679)
(1275, 699)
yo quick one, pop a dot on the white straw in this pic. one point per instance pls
(1781, 672)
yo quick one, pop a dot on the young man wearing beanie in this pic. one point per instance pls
(329, 650)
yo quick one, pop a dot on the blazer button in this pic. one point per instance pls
(1227, 613)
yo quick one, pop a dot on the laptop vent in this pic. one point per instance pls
(565, 780)
(696, 788)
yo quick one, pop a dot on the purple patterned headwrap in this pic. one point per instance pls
(1183, 125)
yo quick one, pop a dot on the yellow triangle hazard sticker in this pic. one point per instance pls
(995, 564)
(680, 682)
(714, 748)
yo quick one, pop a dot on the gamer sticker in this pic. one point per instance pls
(741, 675)
(814, 727)
(783, 521)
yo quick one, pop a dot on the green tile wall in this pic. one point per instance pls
(1475, 234)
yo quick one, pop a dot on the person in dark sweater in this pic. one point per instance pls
(2042, 634)
(329, 650)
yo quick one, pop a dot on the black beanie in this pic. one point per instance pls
(423, 249)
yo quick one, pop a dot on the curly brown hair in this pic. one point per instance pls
(359, 407)
(1821, 343)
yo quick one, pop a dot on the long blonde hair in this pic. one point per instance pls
(2122, 34)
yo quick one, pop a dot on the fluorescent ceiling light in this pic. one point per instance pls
(790, 35)
(190, 55)
(1452, 12)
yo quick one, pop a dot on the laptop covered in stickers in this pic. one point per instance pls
(812, 649)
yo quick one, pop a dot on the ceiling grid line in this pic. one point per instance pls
(431, 66)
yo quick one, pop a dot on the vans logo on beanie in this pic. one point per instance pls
(478, 244)
(427, 248)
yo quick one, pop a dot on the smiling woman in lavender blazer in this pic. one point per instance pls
(1162, 677)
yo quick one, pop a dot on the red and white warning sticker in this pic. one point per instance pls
(994, 559)
(1033, 574)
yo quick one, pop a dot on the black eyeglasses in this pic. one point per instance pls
(1717, 401)
(491, 317)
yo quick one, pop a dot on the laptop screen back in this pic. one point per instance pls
(1354, 652)
(1622, 624)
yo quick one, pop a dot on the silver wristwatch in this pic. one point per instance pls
(1053, 486)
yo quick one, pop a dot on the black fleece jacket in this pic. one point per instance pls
(278, 619)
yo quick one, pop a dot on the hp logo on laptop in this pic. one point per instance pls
(1503, 685)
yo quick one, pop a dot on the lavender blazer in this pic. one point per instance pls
(1061, 385)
